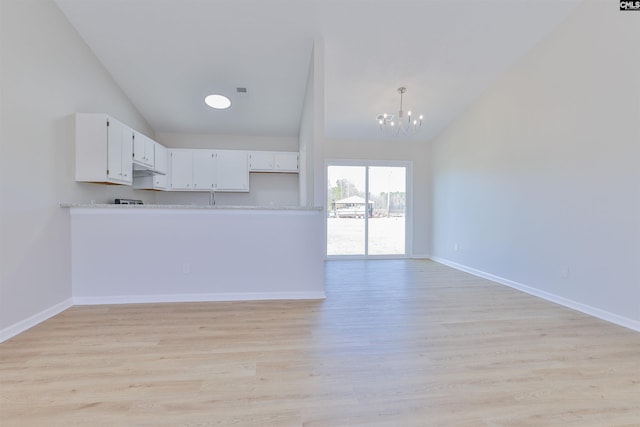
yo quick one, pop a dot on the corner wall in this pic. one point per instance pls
(306, 136)
(48, 73)
(538, 183)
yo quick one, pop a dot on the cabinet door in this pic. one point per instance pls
(114, 150)
(149, 151)
(233, 170)
(160, 158)
(138, 147)
(119, 152)
(285, 162)
(204, 170)
(127, 154)
(143, 149)
(160, 182)
(260, 161)
(181, 162)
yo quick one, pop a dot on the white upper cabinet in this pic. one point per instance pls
(286, 162)
(232, 170)
(151, 182)
(159, 179)
(204, 170)
(104, 149)
(260, 161)
(193, 170)
(108, 151)
(273, 161)
(208, 170)
(160, 159)
(181, 169)
(155, 177)
(143, 150)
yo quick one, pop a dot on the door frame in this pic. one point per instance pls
(408, 225)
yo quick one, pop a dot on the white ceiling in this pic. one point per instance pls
(168, 54)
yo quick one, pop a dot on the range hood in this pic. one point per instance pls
(140, 169)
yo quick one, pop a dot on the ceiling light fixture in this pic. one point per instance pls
(219, 102)
(399, 125)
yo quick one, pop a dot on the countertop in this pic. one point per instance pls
(220, 207)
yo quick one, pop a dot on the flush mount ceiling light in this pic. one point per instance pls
(401, 124)
(219, 102)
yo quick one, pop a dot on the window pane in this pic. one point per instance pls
(345, 210)
(387, 196)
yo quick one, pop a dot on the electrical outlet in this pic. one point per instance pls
(456, 247)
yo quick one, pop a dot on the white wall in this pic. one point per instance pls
(316, 151)
(266, 189)
(196, 255)
(539, 182)
(48, 74)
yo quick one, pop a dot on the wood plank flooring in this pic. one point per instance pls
(396, 343)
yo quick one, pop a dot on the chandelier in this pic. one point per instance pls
(396, 126)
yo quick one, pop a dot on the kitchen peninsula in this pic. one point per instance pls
(168, 253)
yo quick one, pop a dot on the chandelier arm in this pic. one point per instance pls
(387, 123)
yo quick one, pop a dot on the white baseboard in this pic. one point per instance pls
(420, 256)
(583, 308)
(242, 296)
(30, 322)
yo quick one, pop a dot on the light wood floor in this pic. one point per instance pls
(396, 343)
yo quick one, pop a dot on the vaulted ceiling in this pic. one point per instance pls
(168, 54)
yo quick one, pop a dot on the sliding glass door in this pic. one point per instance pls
(367, 209)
